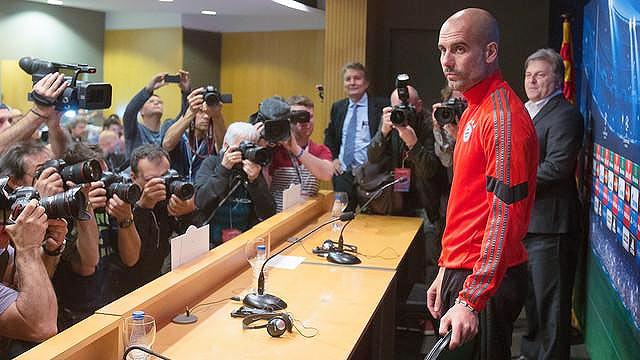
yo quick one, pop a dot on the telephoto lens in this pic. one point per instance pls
(82, 173)
(68, 204)
(116, 184)
(254, 153)
(175, 186)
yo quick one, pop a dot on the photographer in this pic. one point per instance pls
(195, 136)
(151, 110)
(410, 146)
(80, 293)
(154, 214)
(299, 160)
(49, 87)
(28, 308)
(248, 204)
(445, 135)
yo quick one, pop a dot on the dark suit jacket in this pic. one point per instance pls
(559, 127)
(333, 133)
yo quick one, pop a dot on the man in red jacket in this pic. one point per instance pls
(481, 284)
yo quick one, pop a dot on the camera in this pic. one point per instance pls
(116, 184)
(299, 117)
(68, 204)
(80, 173)
(175, 186)
(78, 95)
(403, 114)
(213, 97)
(450, 111)
(254, 153)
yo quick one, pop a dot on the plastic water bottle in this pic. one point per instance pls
(137, 336)
(336, 211)
(261, 257)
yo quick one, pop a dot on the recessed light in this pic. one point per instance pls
(208, 12)
(165, 0)
(54, 2)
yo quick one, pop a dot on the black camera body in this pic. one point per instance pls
(450, 111)
(68, 204)
(254, 153)
(176, 186)
(80, 173)
(213, 97)
(299, 117)
(78, 95)
(117, 185)
(405, 113)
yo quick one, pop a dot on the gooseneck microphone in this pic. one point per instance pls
(338, 253)
(260, 300)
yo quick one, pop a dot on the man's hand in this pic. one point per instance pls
(185, 81)
(56, 231)
(196, 99)
(291, 145)
(157, 81)
(49, 87)
(463, 324)
(337, 167)
(434, 300)
(231, 157)
(29, 228)
(119, 209)
(179, 207)
(97, 194)
(387, 125)
(49, 183)
(251, 169)
(153, 192)
(408, 135)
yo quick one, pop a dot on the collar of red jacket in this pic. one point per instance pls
(479, 91)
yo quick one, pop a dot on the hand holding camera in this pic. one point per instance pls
(451, 127)
(178, 207)
(97, 194)
(119, 209)
(251, 169)
(154, 191)
(157, 81)
(50, 87)
(231, 157)
(49, 182)
(55, 235)
(29, 228)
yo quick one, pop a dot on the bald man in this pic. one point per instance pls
(481, 284)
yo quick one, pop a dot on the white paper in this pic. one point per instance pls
(286, 262)
(291, 196)
(194, 243)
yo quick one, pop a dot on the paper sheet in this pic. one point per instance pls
(286, 262)
(194, 243)
(291, 196)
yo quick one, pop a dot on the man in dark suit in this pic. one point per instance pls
(552, 239)
(354, 122)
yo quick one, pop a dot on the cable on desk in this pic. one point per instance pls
(379, 256)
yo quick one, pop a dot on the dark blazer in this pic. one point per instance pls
(333, 133)
(559, 126)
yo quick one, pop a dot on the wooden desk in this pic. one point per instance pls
(382, 241)
(338, 301)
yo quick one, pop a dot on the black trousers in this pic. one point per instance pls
(552, 266)
(346, 183)
(495, 329)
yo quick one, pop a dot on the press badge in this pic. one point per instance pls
(402, 186)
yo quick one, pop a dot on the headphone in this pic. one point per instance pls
(277, 323)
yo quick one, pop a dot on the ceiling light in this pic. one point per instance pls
(293, 4)
(54, 2)
(165, 0)
(208, 12)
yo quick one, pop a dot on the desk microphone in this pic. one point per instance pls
(338, 253)
(260, 300)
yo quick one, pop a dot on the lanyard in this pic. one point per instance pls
(192, 158)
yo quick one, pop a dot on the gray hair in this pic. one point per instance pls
(239, 131)
(552, 58)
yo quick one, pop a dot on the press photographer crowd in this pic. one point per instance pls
(88, 219)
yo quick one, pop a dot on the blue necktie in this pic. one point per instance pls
(350, 145)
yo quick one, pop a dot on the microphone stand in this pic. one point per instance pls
(339, 254)
(239, 182)
(260, 300)
(143, 349)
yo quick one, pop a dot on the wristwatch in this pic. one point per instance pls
(55, 252)
(125, 223)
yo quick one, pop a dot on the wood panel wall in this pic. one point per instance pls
(132, 57)
(15, 85)
(345, 41)
(262, 64)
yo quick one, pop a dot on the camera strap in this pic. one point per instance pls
(42, 100)
(294, 163)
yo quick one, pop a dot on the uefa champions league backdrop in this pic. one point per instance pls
(610, 100)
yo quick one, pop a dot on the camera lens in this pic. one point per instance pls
(183, 190)
(129, 193)
(398, 116)
(67, 204)
(83, 172)
(443, 115)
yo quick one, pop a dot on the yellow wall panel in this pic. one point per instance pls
(132, 57)
(15, 84)
(261, 64)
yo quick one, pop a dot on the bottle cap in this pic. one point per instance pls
(261, 247)
(138, 315)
